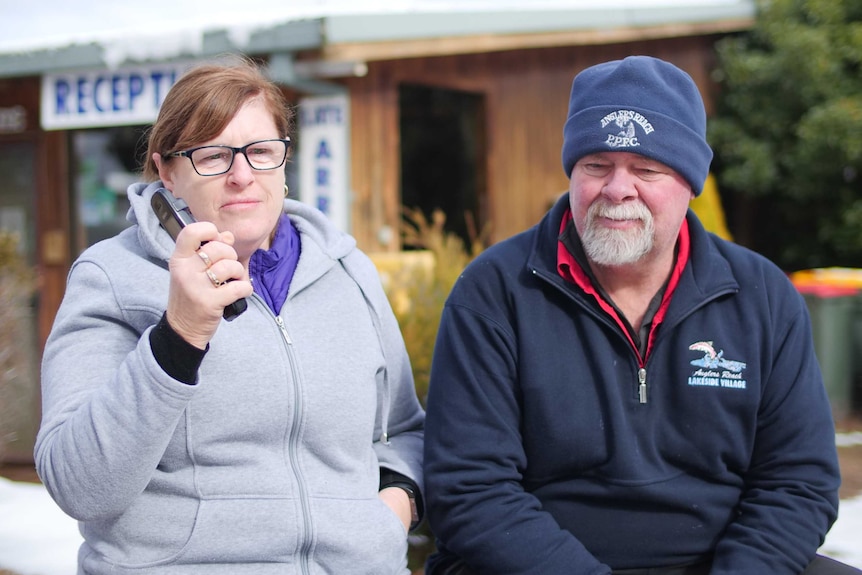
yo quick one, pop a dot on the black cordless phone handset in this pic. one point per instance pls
(174, 215)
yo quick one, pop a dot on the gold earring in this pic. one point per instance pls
(286, 190)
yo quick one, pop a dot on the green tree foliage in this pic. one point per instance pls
(787, 132)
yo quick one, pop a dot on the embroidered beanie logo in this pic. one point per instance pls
(641, 105)
(626, 119)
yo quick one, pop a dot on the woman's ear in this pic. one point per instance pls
(164, 171)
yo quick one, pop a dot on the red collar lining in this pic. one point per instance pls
(571, 271)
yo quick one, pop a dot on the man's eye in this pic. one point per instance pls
(596, 168)
(649, 173)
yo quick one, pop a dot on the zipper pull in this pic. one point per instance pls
(283, 328)
(642, 385)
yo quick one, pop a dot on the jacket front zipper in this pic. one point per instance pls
(642, 391)
(641, 375)
(293, 449)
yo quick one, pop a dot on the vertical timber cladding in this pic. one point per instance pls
(55, 255)
(526, 100)
(375, 171)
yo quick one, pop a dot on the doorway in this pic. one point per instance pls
(443, 150)
(19, 377)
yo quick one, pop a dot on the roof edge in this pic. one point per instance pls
(292, 36)
(430, 47)
(361, 28)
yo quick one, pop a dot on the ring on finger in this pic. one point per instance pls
(206, 259)
(215, 281)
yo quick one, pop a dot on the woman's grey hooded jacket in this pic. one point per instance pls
(271, 462)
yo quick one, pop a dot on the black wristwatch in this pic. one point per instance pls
(411, 495)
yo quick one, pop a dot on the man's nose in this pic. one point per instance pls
(619, 185)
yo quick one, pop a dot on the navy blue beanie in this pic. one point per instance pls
(641, 105)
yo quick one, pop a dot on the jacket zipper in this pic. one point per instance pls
(642, 389)
(293, 449)
(641, 373)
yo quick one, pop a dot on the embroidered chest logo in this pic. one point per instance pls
(623, 133)
(715, 370)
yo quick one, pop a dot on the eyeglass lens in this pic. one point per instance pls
(263, 155)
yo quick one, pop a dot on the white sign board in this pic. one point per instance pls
(324, 156)
(97, 98)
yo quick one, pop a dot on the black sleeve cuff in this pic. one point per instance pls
(180, 359)
(389, 478)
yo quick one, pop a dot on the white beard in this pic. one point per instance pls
(612, 247)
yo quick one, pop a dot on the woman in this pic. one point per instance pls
(287, 440)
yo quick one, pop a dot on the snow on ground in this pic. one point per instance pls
(844, 541)
(36, 538)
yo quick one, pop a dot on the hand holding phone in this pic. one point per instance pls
(174, 215)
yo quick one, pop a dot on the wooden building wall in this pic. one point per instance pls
(526, 95)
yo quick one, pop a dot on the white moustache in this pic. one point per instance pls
(620, 212)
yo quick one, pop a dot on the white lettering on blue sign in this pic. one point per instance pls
(106, 97)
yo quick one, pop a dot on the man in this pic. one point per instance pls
(617, 391)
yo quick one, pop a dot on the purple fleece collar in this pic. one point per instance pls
(271, 270)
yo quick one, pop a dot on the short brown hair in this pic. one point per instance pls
(204, 100)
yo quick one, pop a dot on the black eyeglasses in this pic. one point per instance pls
(217, 160)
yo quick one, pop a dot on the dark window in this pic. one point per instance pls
(443, 155)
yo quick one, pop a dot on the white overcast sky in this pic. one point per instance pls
(33, 24)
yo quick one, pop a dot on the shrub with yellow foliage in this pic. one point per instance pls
(418, 283)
